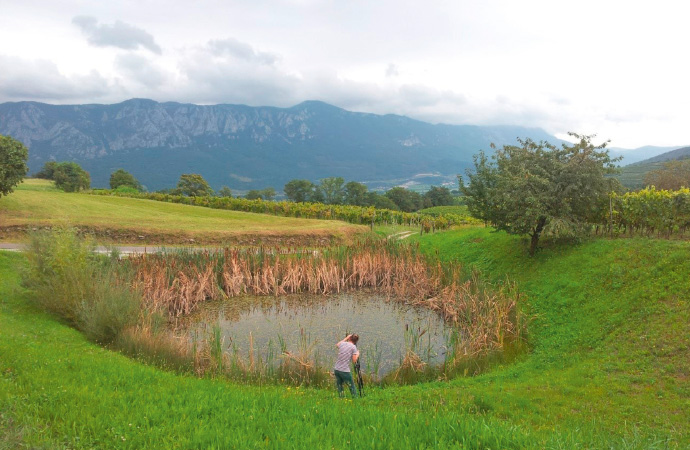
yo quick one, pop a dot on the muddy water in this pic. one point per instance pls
(293, 323)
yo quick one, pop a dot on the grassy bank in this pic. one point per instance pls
(611, 328)
(36, 203)
(609, 368)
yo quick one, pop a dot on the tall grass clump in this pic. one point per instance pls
(88, 291)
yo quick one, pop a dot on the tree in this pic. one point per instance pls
(481, 185)
(379, 201)
(13, 156)
(70, 177)
(298, 190)
(268, 193)
(123, 178)
(439, 196)
(537, 187)
(672, 176)
(224, 192)
(48, 170)
(408, 201)
(253, 194)
(263, 194)
(333, 190)
(356, 194)
(193, 185)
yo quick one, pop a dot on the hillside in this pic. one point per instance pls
(608, 368)
(632, 176)
(247, 147)
(36, 204)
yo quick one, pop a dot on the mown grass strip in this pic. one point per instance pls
(36, 204)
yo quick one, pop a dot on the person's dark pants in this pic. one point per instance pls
(344, 377)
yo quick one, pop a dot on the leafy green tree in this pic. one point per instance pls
(538, 188)
(225, 192)
(193, 185)
(123, 178)
(253, 194)
(333, 190)
(268, 193)
(439, 196)
(70, 177)
(13, 156)
(299, 190)
(263, 194)
(380, 201)
(48, 170)
(406, 200)
(478, 193)
(356, 194)
(672, 176)
(317, 195)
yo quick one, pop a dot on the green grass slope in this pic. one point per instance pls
(609, 368)
(610, 333)
(36, 203)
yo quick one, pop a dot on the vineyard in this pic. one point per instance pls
(649, 212)
(359, 215)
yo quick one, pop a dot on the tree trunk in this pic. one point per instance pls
(535, 235)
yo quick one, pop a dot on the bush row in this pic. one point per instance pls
(360, 215)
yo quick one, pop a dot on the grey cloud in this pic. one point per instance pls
(141, 70)
(240, 50)
(40, 80)
(119, 34)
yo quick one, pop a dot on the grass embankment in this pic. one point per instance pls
(36, 203)
(609, 369)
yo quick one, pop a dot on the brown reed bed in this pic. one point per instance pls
(487, 318)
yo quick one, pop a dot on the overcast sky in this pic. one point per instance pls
(617, 69)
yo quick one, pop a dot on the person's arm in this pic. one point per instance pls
(347, 338)
(355, 357)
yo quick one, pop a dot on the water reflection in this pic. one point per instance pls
(383, 326)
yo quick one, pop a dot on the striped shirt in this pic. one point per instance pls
(345, 352)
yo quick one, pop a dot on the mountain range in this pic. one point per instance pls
(246, 147)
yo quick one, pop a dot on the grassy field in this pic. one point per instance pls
(36, 203)
(609, 368)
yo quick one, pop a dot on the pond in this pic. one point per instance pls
(386, 328)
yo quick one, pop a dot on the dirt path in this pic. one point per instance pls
(402, 235)
(122, 249)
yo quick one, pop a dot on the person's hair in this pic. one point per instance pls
(354, 338)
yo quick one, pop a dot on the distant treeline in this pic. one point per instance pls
(363, 215)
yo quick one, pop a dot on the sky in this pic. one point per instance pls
(617, 69)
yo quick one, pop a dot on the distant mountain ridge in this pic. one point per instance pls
(679, 153)
(247, 147)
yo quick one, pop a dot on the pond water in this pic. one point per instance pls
(384, 327)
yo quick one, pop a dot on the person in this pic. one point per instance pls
(347, 351)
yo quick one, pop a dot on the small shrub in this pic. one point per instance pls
(111, 307)
(86, 290)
